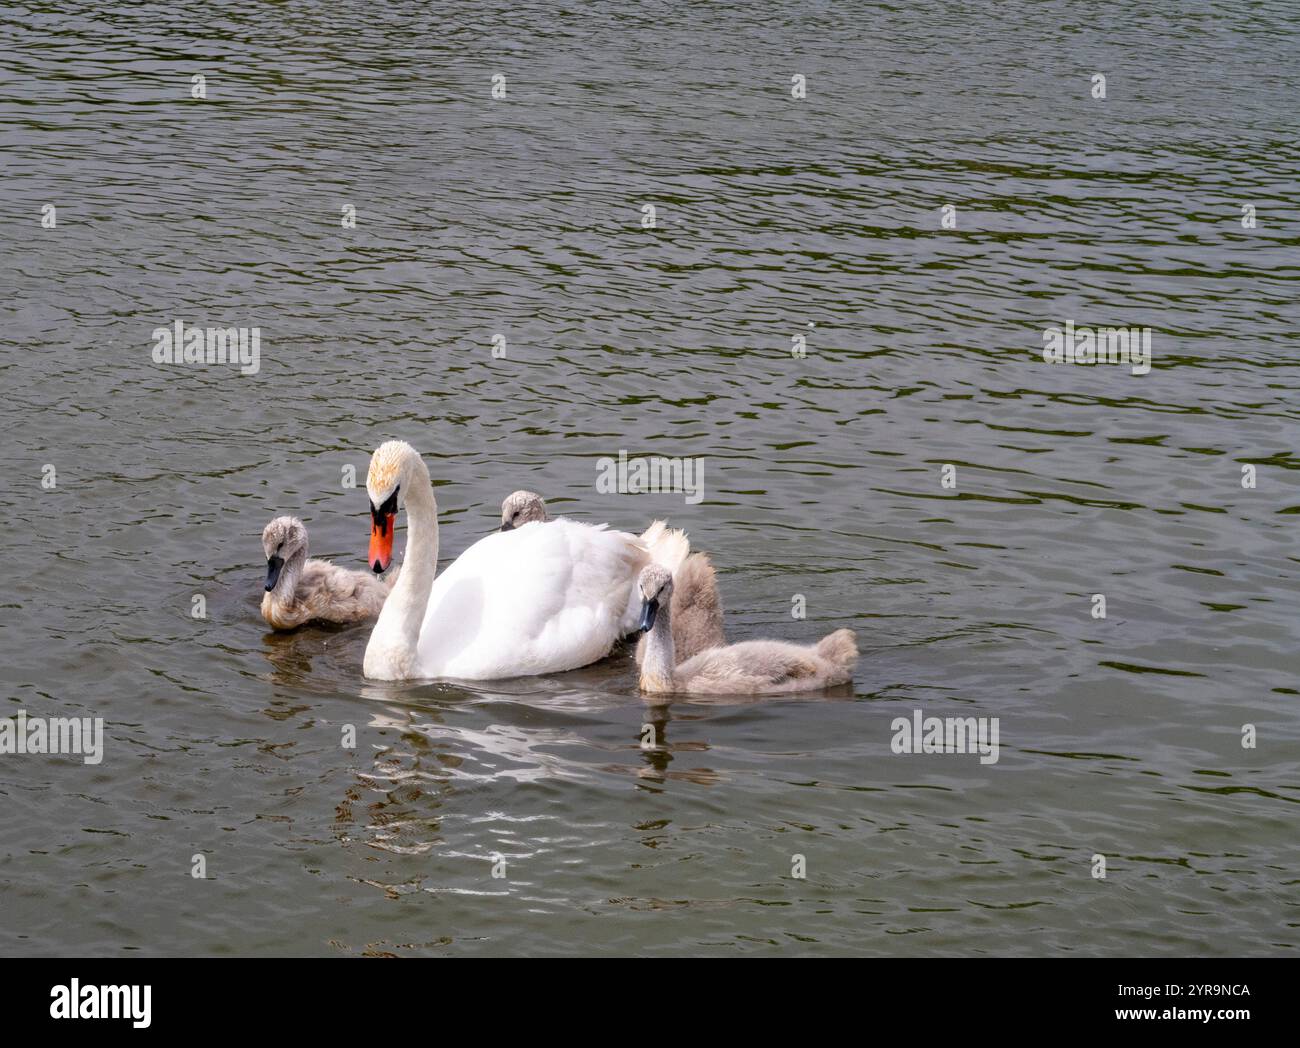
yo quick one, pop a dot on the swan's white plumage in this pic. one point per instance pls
(539, 599)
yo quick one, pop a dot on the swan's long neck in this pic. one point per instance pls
(394, 642)
(280, 606)
(660, 653)
(286, 586)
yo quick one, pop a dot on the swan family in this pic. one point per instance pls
(539, 595)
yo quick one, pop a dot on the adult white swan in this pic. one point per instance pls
(516, 603)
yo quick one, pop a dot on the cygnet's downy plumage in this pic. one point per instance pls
(299, 590)
(754, 667)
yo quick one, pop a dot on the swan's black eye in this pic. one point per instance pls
(279, 547)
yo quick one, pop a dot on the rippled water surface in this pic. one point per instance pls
(1120, 737)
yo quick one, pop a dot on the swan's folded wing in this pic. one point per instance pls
(533, 600)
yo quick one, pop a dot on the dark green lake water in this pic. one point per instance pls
(776, 217)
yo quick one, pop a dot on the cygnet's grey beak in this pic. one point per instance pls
(506, 526)
(273, 566)
(649, 609)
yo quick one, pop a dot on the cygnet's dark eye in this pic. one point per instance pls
(279, 547)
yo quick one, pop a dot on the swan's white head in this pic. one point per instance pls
(656, 585)
(521, 507)
(389, 467)
(281, 540)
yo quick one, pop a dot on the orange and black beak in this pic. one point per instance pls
(382, 522)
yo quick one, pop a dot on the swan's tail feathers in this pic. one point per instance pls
(667, 546)
(653, 533)
(840, 649)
